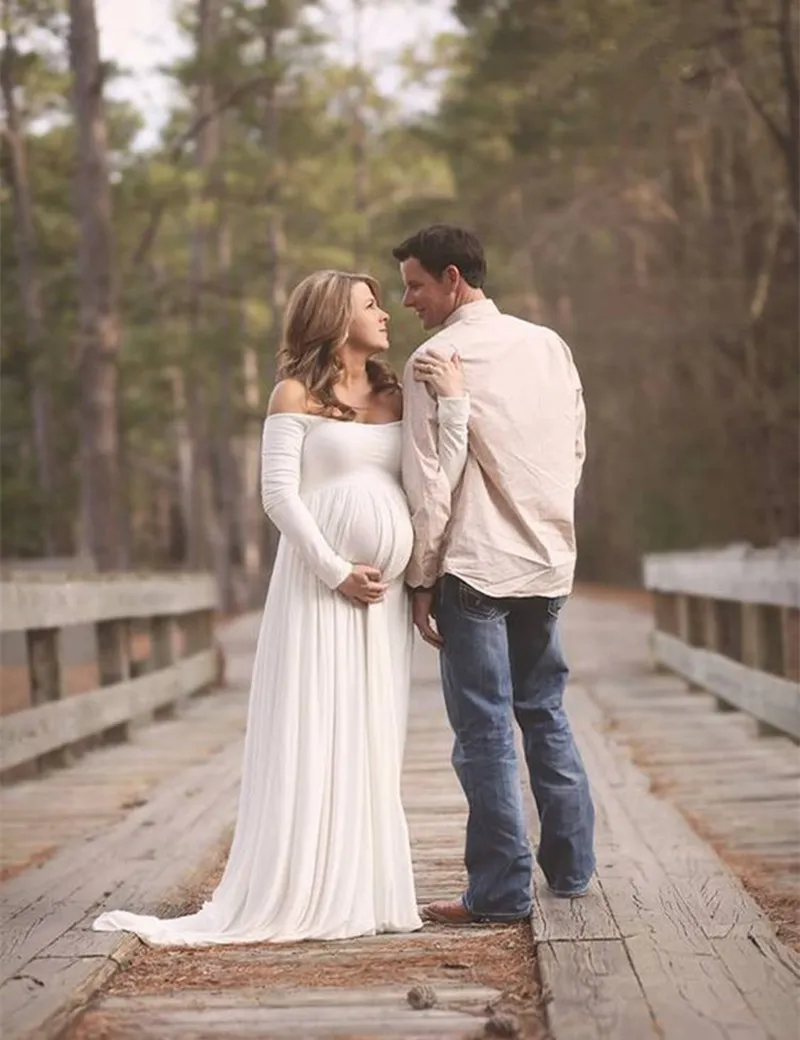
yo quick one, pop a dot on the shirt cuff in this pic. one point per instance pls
(453, 410)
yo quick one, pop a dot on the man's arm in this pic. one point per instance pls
(426, 483)
(580, 436)
(580, 412)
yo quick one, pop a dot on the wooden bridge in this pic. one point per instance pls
(122, 792)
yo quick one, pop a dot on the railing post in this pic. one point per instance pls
(44, 670)
(791, 643)
(758, 650)
(664, 611)
(113, 665)
(751, 636)
(714, 635)
(682, 619)
(711, 633)
(44, 665)
(729, 619)
(162, 655)
(690, 627)
(770, 634)
(198, 630)
(203, 637)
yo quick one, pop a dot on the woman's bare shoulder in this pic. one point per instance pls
(289, 395)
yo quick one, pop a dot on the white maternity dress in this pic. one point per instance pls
(321, 849)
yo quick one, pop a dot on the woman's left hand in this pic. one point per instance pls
(442, 374)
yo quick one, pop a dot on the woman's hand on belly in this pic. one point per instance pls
(366, 520)
(363, 585)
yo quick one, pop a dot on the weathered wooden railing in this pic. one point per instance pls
(175, 612)
(729, 621)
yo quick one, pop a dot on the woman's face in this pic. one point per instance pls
(369, 325)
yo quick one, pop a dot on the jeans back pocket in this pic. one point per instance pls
(555, 604)
(476, 605)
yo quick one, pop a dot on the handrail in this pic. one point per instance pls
(738, 572)
(729, 621)
(38, 599)
(174, 611)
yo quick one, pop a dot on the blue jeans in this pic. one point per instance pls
(499, 655)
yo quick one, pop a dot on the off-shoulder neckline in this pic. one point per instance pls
(328, 418)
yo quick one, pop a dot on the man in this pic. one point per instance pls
(493, 568)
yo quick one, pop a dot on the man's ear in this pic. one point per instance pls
(452, 276)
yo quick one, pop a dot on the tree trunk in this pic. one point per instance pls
(185, 460)
(205, 548)
(361, 170)
(787, 29)
(276, 251)
(253, 514)
(226, 462)
(275, 234)
(99, 325)
(31, 296)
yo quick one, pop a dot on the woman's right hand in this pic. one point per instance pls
(363, 585)
(444, 375)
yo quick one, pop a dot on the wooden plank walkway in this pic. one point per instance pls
(667, 944)
(740, 790)
(40, 816)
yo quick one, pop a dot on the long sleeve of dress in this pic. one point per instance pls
(281, 455)
(434, 455)
(453, 421)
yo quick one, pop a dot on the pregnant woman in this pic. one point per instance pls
(320, 849)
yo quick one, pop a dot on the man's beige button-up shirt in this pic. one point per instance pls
(508, 529)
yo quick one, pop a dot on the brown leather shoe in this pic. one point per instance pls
(451, 912)
(454, 913)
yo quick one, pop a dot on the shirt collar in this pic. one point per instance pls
(470, 311)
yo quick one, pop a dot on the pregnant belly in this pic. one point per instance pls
(366, 522)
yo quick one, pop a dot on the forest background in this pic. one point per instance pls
(632, 166)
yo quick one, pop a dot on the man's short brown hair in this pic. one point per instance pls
(441, 245)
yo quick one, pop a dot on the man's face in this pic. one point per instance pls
(432, 298)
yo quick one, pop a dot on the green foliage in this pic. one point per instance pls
(623, 161)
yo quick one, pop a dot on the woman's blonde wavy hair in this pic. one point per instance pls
(315, 325)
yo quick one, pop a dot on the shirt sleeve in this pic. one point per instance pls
(580, 411)
(453, 437)
(580, 435)
(580, 420)
(281, 455)
(426, 482)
